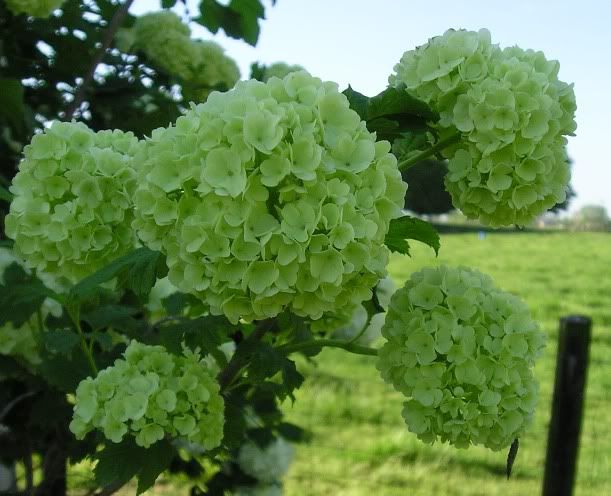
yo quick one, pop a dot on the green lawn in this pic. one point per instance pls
(360, 445)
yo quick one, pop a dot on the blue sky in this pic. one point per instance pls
(359, 42)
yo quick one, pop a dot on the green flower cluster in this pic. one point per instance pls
(267, 464)
(270, 196)
(461, 351)
(279, 70)
(149, 394)
(72, 211)
(34, 8)
(512, 112)
(212, 70)
(166, 41)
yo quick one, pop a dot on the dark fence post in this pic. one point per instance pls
(567, 405)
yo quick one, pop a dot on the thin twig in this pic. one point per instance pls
(238, 361)
(115, 23)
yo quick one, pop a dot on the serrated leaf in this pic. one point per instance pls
(119, 463)
(64, 372)
(407, 227)
(292, 432)
(206, 333)
(104, 340)
(397, 102)
(138, 271)
(60, 341)
(117, 316)
(358, 102)
(177, 302)
(21, 295)
(266, 362)
(239, 19)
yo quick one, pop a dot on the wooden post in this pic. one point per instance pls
(567, 405)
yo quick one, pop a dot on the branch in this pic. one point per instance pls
(115, 23)
(330, 343)
(238, 361)
(437, 147)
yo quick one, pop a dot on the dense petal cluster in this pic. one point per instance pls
(166, 41)
(267, 464)
(512, 113)
(270, 196)
(212, 69)
(279, 70)
(34, 8)
(461, 351)
(150, 394)
(72, 210)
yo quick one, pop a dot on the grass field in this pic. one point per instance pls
(360, 445)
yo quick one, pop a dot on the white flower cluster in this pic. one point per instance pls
(72, 208)
(462, 352)
(166, 41)
(512, 112)
(270, 196)
(279, 70)
(150, 394)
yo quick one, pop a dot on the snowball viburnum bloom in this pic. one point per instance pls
(151, 393)
(270, 196)
(462, 352)
(72, 208)
(513, 115)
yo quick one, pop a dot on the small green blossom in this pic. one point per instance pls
(513, 114)
(75, 216)
(150, 393)
(461, 351)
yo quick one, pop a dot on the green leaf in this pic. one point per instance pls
(239, 19)
(11, 102)
(116, 316)
(407, 227)
(137, 271)
(177, 302)
(358, 102)
(21, 295)
(5, 194)
(206, 333)
(119, 463)
(511, 456)
(64, 372)
(60, 341)
(397, 102)
(292, 432)
(266, 362)
(104, 340)
(257, 71)
(168, 4)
